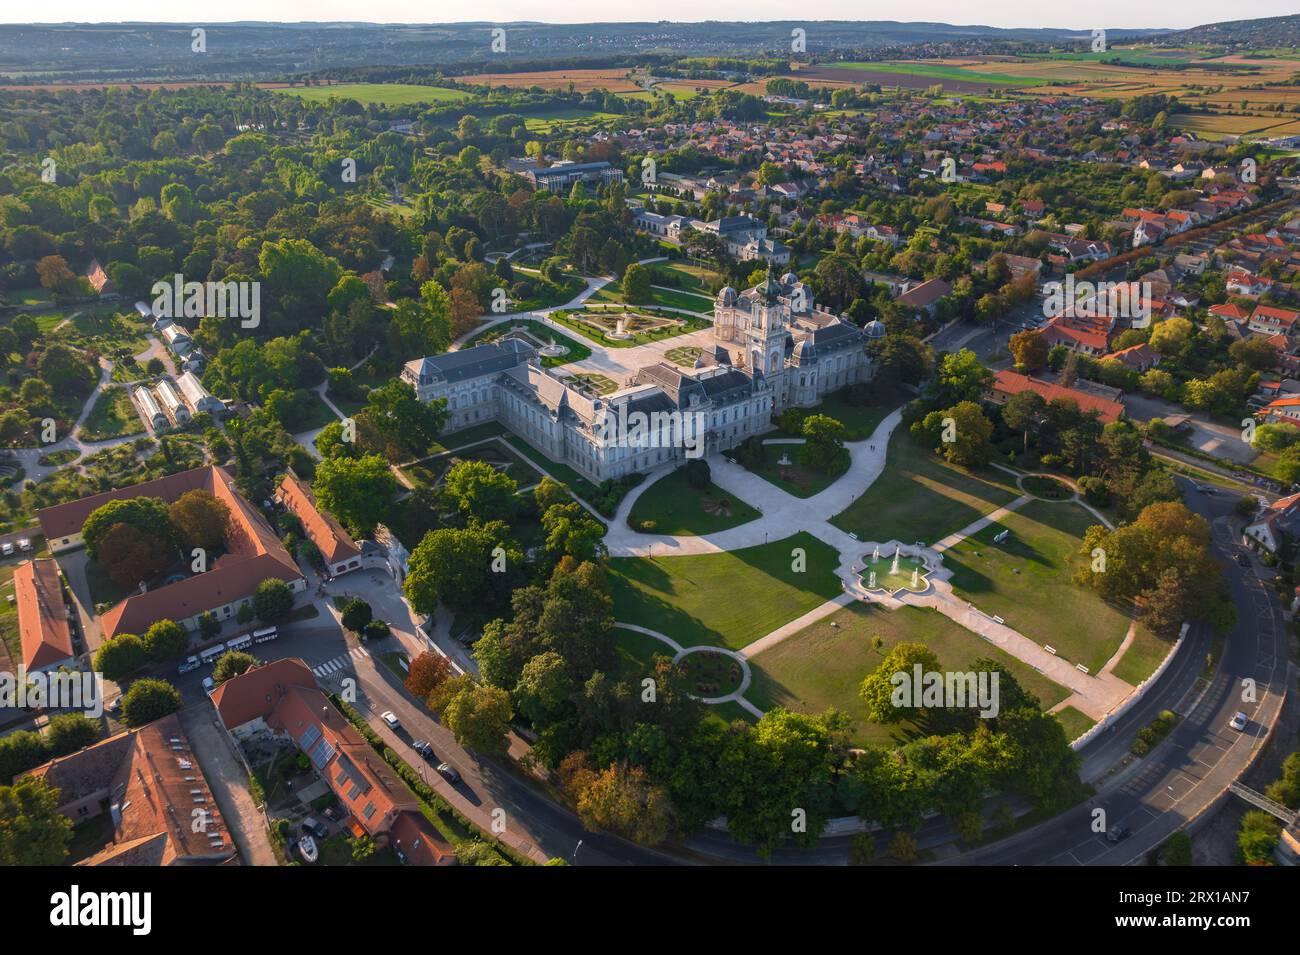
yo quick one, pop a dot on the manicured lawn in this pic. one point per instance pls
(824, 664)
(1075, 722)
(635, 653)
(317, 414)
(690, 277)
(578, 484)
(922, 497)
(9, 623)
(728, 599)
(1027, 580)
(793, 478)
(858, 420)
(431, 470)
(667, 298)
(1143, 655)
(674, 507)
(677, 323)
(112, 416)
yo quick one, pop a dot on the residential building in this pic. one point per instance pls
(44, 616)
(1005, 384)
(926, 296)
(253, 554)
(338, 550)
(1273, 525)
(281, 700)
(158, 800)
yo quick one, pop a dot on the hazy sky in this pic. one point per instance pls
(1001, 13)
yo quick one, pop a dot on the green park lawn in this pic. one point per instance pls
(112, 416)
(577, 351)
(793, 478)
(724, 599)
(674, 507)
(429, 472)
(1143, 655)
(663, 297)
(1026, 580)
(634, 654)
(1075, 722)
(922, 497)
(824, 664)
(389, 94)
(859, 421)
(687, 276)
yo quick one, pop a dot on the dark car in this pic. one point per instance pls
(424, 749)
(1242, 559)
(1117, 834)
(317, 829)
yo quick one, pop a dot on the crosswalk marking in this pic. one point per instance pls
(340, 662)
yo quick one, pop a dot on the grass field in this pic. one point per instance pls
(666, 298)
(689, 277)
(1026, 580)
(941, 71)
(430, 471)
(1075, 722)
(112, 416)
(859, 420)
(1143, 655)
(557, 118)
(724, 599)
(581, 81)
(922, 497)
(674, 507)
(824, 664)
(793, 478)
(577, 351)
(389, 94)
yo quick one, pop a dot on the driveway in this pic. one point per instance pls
(225, 773)
(1207, 436)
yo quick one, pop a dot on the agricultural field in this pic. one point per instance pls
(389, 94)
(580, 81)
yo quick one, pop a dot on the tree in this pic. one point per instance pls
(961, 378)
(1023, 412)
(121, 657)
(427, 671)
(356, 614)
(1258, 837)
(404, 425)
(1171, 336)
(1256, 353)
(481, 492)
(964, 434)
(478, 716)
(454, 566)
(1030, 349)
(637, 284)
(332, 442)
(358, 491)
(54, 273)
(544, 688)
(209, 625)
(232, 663)
(67, 372)
(624, 800)
(130, 555)
(147, 514)
(69, 732)
(201, 520)
(149, 699)
(823, 448)
(549, 491)
(32, 830)
(166, 640)
(571, 531)
(273, 601)
(877, 690)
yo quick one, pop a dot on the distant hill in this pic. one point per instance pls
(1263, 34)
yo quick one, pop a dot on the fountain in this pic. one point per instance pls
(916, 577)
(871, 583)
(620, 330)
(893, 569)
(875, 555)
(552, 350)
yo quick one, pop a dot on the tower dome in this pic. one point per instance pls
(727, 296)
(874, 329)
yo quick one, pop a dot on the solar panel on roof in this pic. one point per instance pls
(309, 737)
(321, 753)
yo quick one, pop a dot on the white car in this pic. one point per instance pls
(1240, 721)
(24, 544)
(307, 849)
(391, 719)
(7, 549)
(208, 685)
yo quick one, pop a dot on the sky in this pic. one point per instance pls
(999, 13)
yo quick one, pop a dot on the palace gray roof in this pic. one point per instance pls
(473, 362)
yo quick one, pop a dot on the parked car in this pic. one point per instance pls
(188, 665)
(389, 717)
(424, 749)
(24, 544)
(209, 685)
(1242, 559)
(314, 827)
(1117, 834)
(7, 549)
(307, 849)
(1239, 722)
(448, 772)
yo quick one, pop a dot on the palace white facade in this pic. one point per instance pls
(786, 352)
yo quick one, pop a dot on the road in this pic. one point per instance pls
(1186, 773)
(485, 784)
